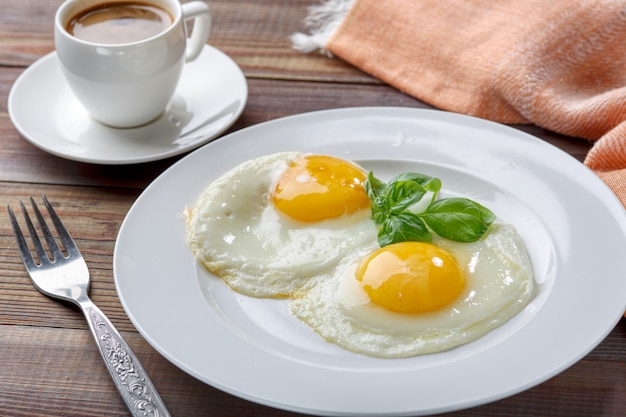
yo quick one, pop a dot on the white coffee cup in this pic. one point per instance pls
(130, 84)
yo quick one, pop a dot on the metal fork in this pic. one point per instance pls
(66, 277)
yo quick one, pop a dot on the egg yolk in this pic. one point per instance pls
(315, 188)
(411, 277)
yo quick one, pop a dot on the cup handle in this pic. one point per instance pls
(199, 11)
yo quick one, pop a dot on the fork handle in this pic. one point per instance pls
(130, 379)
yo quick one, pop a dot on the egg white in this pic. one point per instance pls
(237, 234)
(499, 285)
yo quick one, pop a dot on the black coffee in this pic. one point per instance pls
(119, 23)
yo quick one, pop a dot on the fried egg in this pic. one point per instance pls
(299, 226)
(414, 298)
(271, 225)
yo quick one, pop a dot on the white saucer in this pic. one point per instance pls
(210, 97)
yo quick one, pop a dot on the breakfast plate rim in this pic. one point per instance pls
(53, 132)
(196, 341)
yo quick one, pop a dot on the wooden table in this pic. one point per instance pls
(49, 365)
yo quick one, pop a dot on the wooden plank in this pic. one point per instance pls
(43, 375)
(59, 372)
(268, 99)
(256, 34)
(93, 217)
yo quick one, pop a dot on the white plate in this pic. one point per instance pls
(573, 225)
(210, 97)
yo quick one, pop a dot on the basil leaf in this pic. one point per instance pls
(458, 219)
(429, 183)
(431, 186)
(392, 198)
(379, 214)
(374, 189)
(401, 215)
(402, 228)
(400, 195)
(373, 186)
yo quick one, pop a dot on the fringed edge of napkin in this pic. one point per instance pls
(322, 22)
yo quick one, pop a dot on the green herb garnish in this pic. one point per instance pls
(406, 209)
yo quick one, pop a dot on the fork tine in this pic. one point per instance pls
(68, 243)
(52, 244)
(39, 250)
(27, 257)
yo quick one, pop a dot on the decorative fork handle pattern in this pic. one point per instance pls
(128, 374)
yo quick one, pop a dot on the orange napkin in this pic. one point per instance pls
(559, 64)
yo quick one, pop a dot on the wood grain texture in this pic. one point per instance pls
(268, 100)
(51, 371)
(49, 365)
